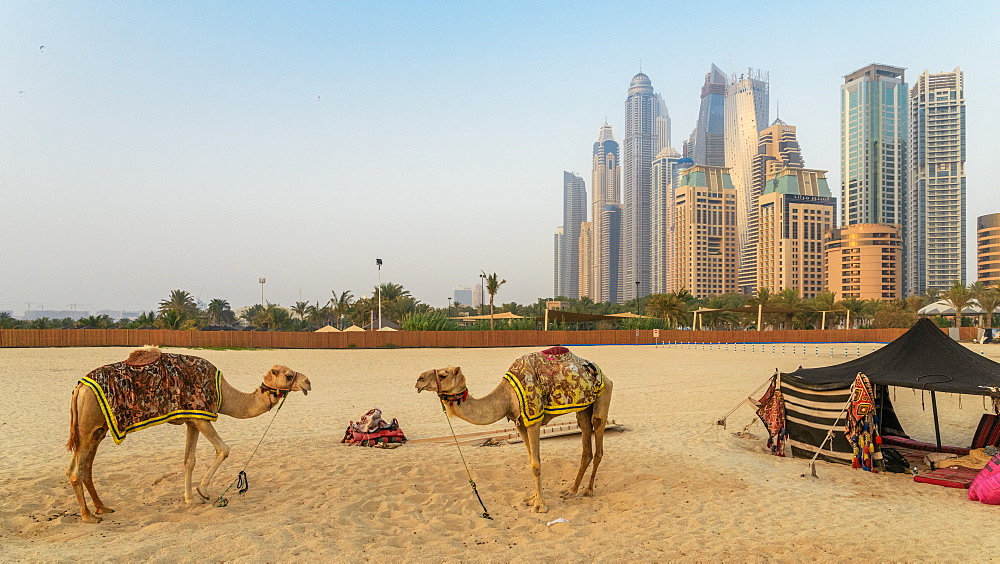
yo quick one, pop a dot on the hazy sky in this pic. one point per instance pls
(152, 146)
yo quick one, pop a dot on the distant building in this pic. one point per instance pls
(873, 145)
(642, 108)
(585, 256)
(33, 314)
(705, 231)
(463, 295)
(988, 249)
(747, 100)
(119, 314)
(558, 250)
(935, 254)
(574, 213)
(796, 209)
(708, 143)
(667, 167)
(477, 295)
(605, 190)
(864, 261)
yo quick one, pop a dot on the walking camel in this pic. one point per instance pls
(537, 388)
(151, 388)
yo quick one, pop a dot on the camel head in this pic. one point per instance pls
(448, 380)
(281, 377)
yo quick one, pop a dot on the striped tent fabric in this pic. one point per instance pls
(811, 414)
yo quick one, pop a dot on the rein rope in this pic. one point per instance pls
(486, 512)
(241, 482)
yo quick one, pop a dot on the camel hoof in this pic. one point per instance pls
(589, 492)
(90, 518)
(530, 500)
(203, 496)
(103, 510)
(540, 508)
(568, 494)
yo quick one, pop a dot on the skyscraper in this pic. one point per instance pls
(873, 145)
(558, 262)
(605, 191)
(777, 149)
(667, 167)
(574, 213)
(642, 107)
(988, 249)
(662, 123)
(746, 115)
(709, 134)
(586, 256)
(934, 248)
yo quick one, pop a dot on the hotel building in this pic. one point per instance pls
(705, 231)
(796, 209)
(863, 261)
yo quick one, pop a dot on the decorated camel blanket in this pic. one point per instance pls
(142, 392)
(554, 381)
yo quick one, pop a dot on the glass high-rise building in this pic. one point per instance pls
(935, 222)
(747, 102)
(574, 213)
(709, 135)
(873, 135)
(642, 108)
(605, 191)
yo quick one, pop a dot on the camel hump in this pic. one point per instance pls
(143, 356)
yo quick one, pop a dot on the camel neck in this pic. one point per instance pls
(243, 405)
(485, 410)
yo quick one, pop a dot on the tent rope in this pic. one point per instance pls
(829, 437)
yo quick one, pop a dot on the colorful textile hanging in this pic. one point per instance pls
(373, 431)
(771, 410)
(862, 425)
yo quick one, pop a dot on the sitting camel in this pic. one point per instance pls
(151, 388)
(537, 388)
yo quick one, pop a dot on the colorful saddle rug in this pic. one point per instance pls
(553, 382)
(173, 386)
(373, 431)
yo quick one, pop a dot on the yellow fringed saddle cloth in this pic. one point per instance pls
(139, 393)
(554, 381)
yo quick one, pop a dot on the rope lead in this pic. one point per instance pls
(241, 482)
(486, 513)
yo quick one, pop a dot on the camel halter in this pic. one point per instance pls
(459, 398)
(280, 393)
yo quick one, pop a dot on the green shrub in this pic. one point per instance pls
(429, 321)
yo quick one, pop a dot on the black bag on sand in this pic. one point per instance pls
(894, 462)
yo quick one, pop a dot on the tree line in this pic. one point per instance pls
(663, 311)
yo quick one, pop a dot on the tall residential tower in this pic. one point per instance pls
(709, 134)
(605, 194)
(574, 213)
(935, 197)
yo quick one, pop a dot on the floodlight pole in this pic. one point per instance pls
(262, 280)
(378, 262)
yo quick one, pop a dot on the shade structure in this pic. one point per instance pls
(500, 315)
(354, 328)
(943, 307)
(328, 329)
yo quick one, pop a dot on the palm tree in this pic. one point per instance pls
(989, 300)
(670, 307)
(251, 314)
(493, 284)
(300, 309)
(179, 302)
(340, 306)
(173, 319)
(6, 321)
(219, 313)
(399, 308)
(959, 296)
(852, 306)
(95, 322)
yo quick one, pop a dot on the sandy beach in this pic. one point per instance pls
(673, 486)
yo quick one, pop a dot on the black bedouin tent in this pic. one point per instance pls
(923, 358)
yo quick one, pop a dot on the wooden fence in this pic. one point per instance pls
(425, 339)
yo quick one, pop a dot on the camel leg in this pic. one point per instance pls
(534, 436)
(190, 449)
(600, 419)
(584, 421)
(523, 431)
(90, 430)
(221, 453)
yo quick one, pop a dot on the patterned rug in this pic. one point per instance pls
(173, 386)
(957, 477)
(554, 381)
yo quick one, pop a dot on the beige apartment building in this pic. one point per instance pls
(864, 261)
(796, 209)
(705, 231)
(988, 249)
(586, 255)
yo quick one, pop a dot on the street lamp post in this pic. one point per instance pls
(449, 307)
(378, 262)
(262, 280)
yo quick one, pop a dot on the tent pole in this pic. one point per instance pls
(546, 318)
(822, 325)
(937, 427)
(759, 308)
